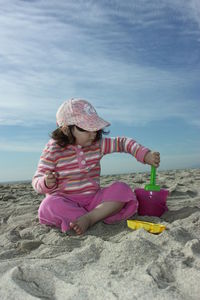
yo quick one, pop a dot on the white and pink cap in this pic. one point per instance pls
(81, 113)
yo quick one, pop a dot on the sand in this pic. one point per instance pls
(108, 261)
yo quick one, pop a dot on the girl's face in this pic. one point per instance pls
(83, 138)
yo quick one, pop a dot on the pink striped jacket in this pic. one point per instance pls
(78, 168)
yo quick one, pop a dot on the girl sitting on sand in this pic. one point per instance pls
(69, 171)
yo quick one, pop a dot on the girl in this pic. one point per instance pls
(69, 171)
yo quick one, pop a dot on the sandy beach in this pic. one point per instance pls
(109, 261)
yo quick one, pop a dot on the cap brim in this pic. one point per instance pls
(92, 125)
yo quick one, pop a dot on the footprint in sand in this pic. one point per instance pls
(8, 197)
(183, 213)
(4, 220)
(162, 274)
(13, 235)
(192, 248)
(28, 245)
(178, 190)
(36, 281)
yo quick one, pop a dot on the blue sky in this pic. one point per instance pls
(137, 62)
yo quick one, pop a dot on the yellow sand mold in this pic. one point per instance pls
(150, 227)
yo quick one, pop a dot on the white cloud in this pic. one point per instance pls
(53, 50)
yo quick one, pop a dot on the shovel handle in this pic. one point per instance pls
(153, 175)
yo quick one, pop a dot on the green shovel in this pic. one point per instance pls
(152, 186)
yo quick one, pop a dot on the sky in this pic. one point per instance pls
(137, 62)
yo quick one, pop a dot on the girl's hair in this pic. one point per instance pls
(63, 140)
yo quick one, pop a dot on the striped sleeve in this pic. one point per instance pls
(123, 144)
(47, 162)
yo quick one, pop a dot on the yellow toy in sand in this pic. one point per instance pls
(150, 227)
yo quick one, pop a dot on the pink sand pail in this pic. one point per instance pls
(152, 203)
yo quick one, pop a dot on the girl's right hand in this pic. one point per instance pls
(152, 159)
(50, 179)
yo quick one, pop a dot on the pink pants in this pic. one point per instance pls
(60, 209)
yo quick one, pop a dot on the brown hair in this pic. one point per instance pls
(63, 140)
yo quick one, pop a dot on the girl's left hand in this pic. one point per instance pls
(152, 159)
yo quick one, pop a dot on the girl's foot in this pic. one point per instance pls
(81, 225)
